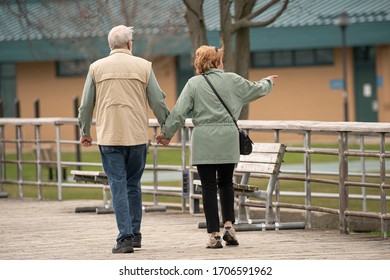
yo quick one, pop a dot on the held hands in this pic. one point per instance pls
(272, 78)
(86, 141)
(161, 140)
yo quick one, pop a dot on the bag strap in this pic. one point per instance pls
(220, 99)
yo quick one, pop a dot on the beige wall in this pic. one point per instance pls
(303, 93)
(55, 94)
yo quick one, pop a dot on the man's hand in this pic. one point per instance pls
(161, 140)
(86, 141)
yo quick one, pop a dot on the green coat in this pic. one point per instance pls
(215, 136)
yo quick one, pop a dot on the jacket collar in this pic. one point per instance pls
(126, 51)
(214, 70)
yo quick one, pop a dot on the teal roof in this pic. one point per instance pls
(40, 30)
(304, 13)
(58, 19)
(323, 13)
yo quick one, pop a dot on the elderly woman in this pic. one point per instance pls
(215, 142)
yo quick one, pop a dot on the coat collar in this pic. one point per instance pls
(125, 51)
(214, 70)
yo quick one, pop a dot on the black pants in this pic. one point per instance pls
(216, 177)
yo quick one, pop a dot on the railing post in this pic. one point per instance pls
(19, 152)
(77, 131)
(19, 157)
(59, 168)
(382, 162)
(363, 170)
(155, 168)
(193, 203)
(2, 161)
(185, 171)
(307, 163)
(39, 159)
(343, 177)
(277, 185)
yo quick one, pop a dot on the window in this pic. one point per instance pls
(262, 59)
(304, 57)
(324, 56)
(283, 58)
(289, 58)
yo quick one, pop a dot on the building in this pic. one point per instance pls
(46, 47)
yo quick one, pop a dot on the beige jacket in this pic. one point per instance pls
(121, 102)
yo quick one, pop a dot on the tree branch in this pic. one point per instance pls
(262, 9)
(187, 3)
(246, 22)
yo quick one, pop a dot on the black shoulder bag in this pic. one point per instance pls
(245, 142)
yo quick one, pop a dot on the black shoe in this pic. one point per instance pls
(137, 240)
(123, 246)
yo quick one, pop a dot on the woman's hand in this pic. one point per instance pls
(272, 78)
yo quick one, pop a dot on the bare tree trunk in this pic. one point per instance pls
(196, 24)
(237, 31)
(242, 40)
(226, 35)
(243, 63)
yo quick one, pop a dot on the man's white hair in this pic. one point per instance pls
(119, 36)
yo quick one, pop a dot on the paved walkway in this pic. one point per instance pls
(51, 230)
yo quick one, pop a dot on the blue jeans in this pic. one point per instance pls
(124, 166)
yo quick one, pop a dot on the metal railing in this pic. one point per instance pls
(297, 135)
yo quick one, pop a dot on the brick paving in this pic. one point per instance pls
(52, 230)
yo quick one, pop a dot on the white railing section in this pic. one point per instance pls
(298, 136)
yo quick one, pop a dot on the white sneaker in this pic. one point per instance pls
(214, 242)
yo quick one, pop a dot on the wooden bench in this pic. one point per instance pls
(100, 178)
(96, 177)
(48, 159)
(265, 161)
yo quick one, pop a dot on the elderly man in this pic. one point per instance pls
(120, 87)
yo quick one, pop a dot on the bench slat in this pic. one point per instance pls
(88, 173)
(254, 167)
(98, 177)
(261, 158)
(237, 187)
(267, 147)
(248, 188)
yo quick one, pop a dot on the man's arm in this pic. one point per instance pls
(156, 98)
(86, 111)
